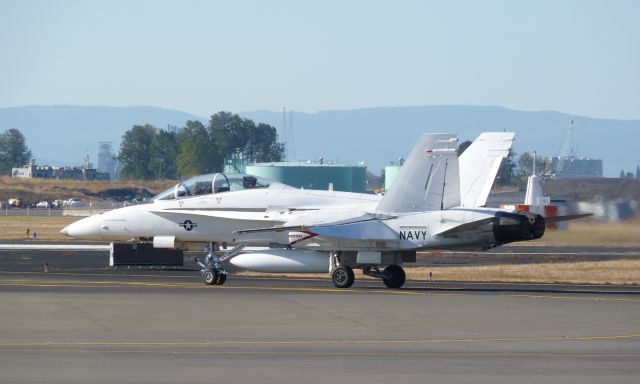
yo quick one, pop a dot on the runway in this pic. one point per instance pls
(84, 323)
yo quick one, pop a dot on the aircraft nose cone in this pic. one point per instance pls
(87, 228)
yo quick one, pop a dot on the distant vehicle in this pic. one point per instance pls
(16, 203)
(72, 202)
(43, 204)
(57, 203)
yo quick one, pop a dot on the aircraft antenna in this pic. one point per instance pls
(444, 183)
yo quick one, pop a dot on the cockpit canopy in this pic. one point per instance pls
(213, 183)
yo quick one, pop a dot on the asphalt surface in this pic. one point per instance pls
(96, 259)
(81, 322)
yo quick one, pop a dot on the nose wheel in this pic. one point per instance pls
(212, 276)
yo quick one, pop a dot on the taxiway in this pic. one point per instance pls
(84, 323)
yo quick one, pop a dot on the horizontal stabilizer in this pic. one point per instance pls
(556, 219)
(466, 227)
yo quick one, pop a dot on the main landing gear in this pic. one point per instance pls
(393, 276)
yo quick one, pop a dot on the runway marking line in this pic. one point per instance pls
(123, 284)
(302, 353)
(315, 342)
(421, 282)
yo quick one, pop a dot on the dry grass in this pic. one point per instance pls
(47, 228)
(34, 190)
(624, 271)
(593, 233)
(619, 272)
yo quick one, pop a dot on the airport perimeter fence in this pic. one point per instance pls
(84, 210)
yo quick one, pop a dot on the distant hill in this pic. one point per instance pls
(380, 135)
(63, 135)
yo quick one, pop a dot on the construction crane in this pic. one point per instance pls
(568, 150)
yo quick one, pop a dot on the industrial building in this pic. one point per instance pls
(107, 160)
(572, 167)
(33, 171)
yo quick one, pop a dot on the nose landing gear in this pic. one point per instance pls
(212, 271)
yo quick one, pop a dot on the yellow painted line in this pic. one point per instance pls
(422, 283)
(319, 353)
(124, 284)
(315, 342)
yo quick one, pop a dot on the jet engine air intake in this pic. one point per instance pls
(509, 227)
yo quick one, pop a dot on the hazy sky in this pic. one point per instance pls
(580, 57)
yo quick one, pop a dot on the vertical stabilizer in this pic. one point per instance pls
(429, 180)
(479, 165)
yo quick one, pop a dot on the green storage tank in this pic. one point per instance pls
(310, 175)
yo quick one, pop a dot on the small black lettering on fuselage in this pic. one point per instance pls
(413, 234)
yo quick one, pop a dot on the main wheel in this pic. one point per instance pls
(210, 276)
(343, 277)
(222, 277)
(394, 276)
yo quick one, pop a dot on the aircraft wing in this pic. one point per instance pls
(364, 227)
(220, 214)
(374, 229)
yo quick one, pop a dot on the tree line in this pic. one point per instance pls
(150, 153)
(13, 150)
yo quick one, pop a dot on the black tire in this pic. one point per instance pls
(394, 276)
(222, 277)
(343, 277)
(210, 276)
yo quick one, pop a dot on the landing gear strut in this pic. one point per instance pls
(212, 271)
